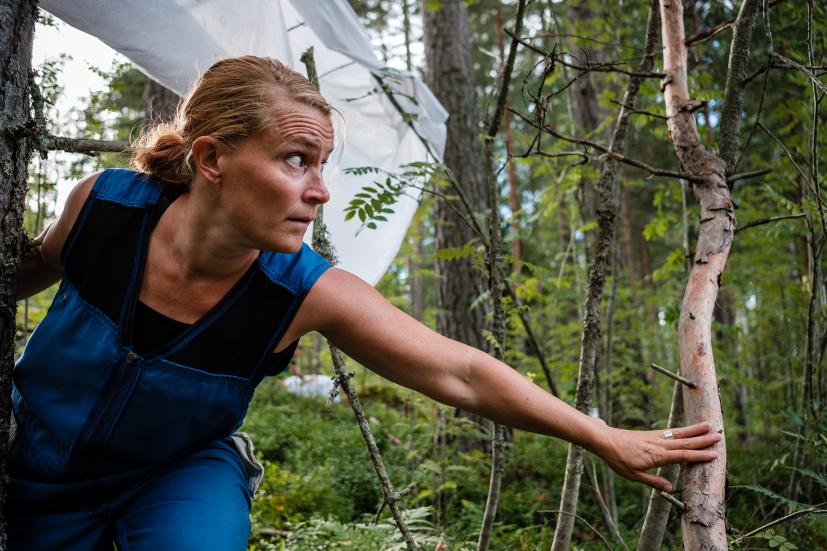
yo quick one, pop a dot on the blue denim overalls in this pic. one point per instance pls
(116, 446)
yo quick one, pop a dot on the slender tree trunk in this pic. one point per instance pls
(703, 520)
(586, 116)
(513, 183)
(17, 20)
(449, 74)
(604, 383)
(495, 280)
(590, 340)
(657, 513)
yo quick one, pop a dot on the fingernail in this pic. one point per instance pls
(668, 489)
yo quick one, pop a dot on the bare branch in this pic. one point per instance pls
(581, 519)
(673, 500)
(638, 111)
(609, 153)
(674, 376)
(609, 67)
(88, 147)
(812, 510)
(747, 175)
(703, 36)
(769, 220)
(787, 62)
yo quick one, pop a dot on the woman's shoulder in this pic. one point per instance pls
(127, 187)
(297, 271)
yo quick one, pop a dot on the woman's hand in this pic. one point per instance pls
(631, 453)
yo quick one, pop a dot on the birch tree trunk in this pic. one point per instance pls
(17, 20)
(590, 341)
(703, 521)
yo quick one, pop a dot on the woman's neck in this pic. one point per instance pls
(196, 242)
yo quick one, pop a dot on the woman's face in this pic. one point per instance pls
(271, 183)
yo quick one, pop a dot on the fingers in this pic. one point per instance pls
(656, 482)
(692, 430)
(694, 443)
(689, 456)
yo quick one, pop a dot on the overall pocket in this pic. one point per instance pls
(172, 407)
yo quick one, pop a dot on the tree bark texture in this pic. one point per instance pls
(513, 183)
(703, 520)
(449, 74)
(734, 88)
(586, 114)
(17, 20)
(590, 340)
(160, 103)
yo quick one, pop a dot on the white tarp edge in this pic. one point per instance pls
(173, 40)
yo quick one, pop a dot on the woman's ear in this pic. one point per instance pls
(205, 153)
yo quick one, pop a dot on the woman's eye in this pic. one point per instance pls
(296, 160)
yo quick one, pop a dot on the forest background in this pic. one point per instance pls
(770, 322)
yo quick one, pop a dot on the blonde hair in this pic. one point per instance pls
(233, 100)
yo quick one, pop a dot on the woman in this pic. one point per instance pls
(179, 282)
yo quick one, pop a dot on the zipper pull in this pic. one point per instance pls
(131, 357)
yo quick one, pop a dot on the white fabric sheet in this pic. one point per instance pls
(172, 40)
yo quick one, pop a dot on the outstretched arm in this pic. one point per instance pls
(357, 319)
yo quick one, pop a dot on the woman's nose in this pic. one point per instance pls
(317, 190)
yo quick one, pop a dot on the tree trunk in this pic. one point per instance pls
(159, 103)
(586, 115)
(513, 183)
(449, 74)
(703, 520)
(17, 20)
(657, 513)
(590, 340)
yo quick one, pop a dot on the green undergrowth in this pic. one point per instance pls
(320, 491)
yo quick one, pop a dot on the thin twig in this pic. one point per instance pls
(781, 144)
(589, 67)
(703, 36)
(639, 111)
(603, 149)
(769, 220)
(814, 510)
(747, 175)
(787, 62)
(673, 500)
(674, 376)
(581, 519)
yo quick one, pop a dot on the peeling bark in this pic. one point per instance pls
(17, 20)
(703, 521)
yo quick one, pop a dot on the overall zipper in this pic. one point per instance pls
(122, 379)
